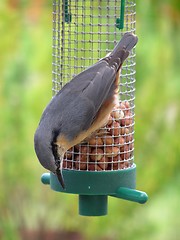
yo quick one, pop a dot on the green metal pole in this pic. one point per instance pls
(68, 16)
(120, 20)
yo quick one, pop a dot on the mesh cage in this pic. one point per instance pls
(84, 32)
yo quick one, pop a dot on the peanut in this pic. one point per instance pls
(103, 163)
(122, 106)
(96, 141)
(115, 129)
(93, 167)
(124, 165)
(127, 121)
(128, 138)
(131, 146)
(81, 162)
(108, 140)
(124, 130)
(84, 149)
(127, 104)
(67, 164)
(96, 154)
(111, 151)
(115, 162)
(117, 114)
(126, 153)
(119, 140)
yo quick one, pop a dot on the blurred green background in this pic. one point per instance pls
(29, 210)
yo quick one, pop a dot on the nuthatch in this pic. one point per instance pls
(80, 108)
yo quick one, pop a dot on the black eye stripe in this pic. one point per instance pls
(55, 133)
(55, 151)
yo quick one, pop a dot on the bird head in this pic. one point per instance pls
(43, 144)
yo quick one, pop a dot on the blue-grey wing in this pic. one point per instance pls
(76, 105)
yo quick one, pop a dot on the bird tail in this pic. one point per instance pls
(122, 50)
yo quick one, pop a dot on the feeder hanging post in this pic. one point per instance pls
(120, 20)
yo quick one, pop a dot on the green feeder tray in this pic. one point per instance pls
(94, 187)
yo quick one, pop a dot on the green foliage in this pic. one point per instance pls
(25, 64)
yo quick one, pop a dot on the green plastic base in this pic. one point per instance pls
(94, 182)
(94, 187)
(93, 205)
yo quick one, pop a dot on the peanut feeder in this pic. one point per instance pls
(103, 164)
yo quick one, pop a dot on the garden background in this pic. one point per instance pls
(30, 210)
